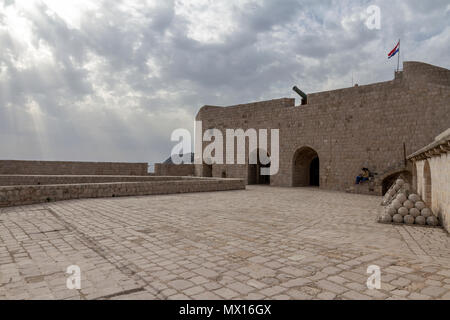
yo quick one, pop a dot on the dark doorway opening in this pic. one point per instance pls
(254, 173)
(207, 170)
(263, 179)
(314, 172)
(306, 168)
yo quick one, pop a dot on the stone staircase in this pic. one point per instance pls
(368, 187)
(375, 185)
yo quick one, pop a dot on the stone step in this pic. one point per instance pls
(364, 188)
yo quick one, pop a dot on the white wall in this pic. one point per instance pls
(440, 186)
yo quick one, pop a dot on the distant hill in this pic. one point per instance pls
(169, 160)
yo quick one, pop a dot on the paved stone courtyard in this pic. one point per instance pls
(261, 243)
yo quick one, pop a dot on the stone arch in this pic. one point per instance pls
(254, 175)
(305, 168)
(389, 179)
(427, 190)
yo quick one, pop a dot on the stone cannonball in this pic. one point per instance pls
(420, 205)
(396, 187)
(406, 187)
(392, 211)
(414, 212)
(398, 218)
(400, 182)
(386, 218)
(432, 221)
(408, 204)
(403, 211)
(396, 204)
(421, 221)
(392, 192)
(426, 213)
(401, 197)
(409, 219)
(414, 198)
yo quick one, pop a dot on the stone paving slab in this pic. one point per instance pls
(259, 243)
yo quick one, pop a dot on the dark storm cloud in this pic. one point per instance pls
(115, 86)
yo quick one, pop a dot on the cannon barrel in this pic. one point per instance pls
(301, 94)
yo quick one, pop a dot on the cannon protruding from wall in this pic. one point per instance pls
(301, 94)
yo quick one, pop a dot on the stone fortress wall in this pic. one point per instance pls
(27, 180)
(72, 168)
(330, 139)
(372, 126)
(181, 170)
(32, 182)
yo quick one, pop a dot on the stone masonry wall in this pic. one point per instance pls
(23, 195)
(182, 170)
(350, 128)
(20, 180)
(72, 168)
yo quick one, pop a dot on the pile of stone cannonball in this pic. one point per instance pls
(402, 206)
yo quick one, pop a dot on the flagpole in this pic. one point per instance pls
(398, 58)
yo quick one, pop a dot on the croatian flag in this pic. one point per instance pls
(394, 51)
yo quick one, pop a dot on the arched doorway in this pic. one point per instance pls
(254, 172)
(389, 179)
(427, 191)
(306, 168)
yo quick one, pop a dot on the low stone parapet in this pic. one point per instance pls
(72, 168)
(20, 180)
(33, 194)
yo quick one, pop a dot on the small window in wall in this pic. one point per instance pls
(224, 174)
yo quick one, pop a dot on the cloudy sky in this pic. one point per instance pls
(110, 80)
